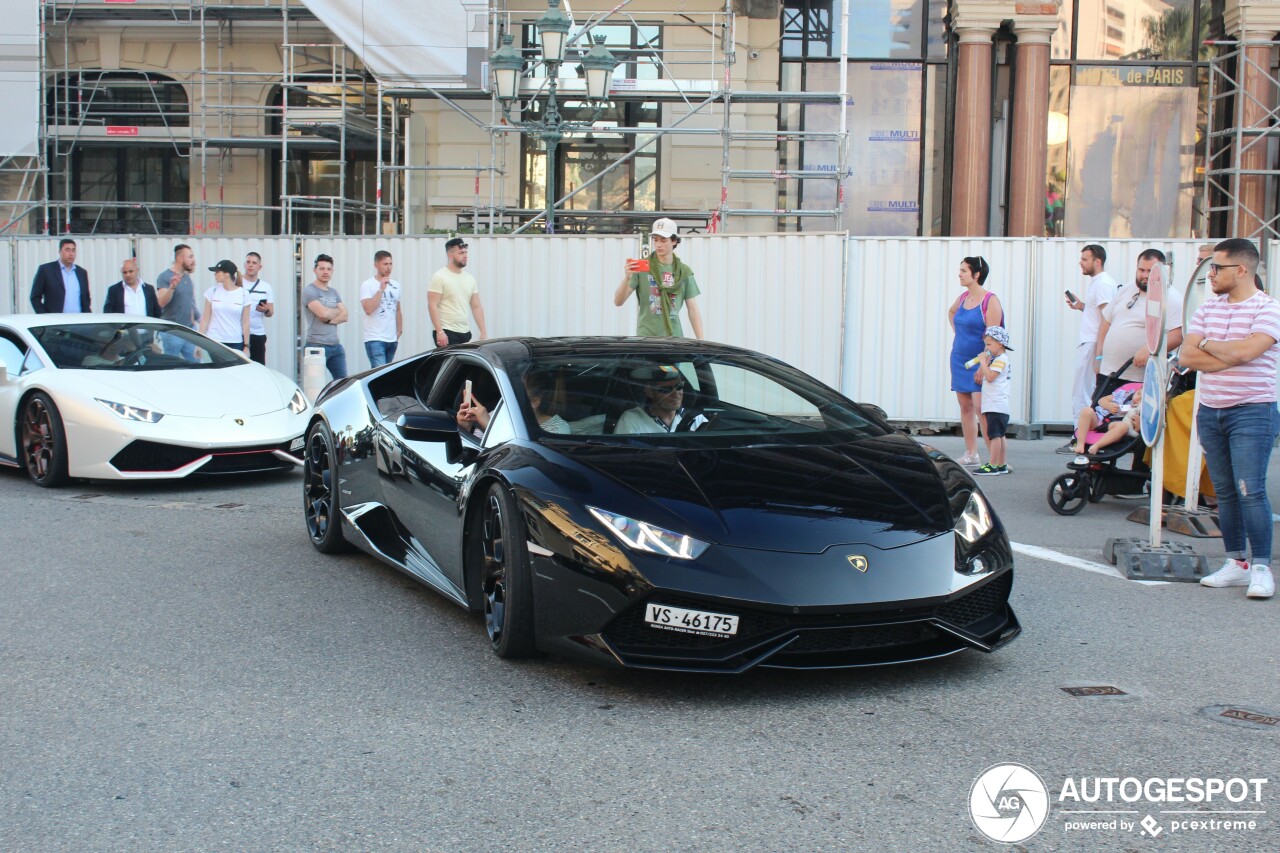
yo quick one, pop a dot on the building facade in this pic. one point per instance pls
(1073, 118)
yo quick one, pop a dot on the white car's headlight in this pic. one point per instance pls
(132, 413)
(975, 521)
(643, 536)
(298, 404)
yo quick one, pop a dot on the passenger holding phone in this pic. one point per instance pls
(662, 284)
(262, 304)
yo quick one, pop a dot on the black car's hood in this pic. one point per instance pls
(802, 498)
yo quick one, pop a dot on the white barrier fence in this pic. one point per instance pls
(866, 315)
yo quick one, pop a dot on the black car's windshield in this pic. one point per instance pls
(683, 398)
(130, 346)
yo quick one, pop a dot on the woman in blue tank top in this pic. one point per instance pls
(969, 316)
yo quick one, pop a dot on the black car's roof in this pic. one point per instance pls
(503, 349)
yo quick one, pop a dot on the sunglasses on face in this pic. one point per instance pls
(669, 389)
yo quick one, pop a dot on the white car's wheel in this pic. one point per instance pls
(43, 441)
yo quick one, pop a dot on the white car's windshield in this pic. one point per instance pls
(683, 397)
(130, 346)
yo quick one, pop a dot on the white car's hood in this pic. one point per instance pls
(196, 393)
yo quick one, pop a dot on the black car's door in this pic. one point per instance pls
(424, 481)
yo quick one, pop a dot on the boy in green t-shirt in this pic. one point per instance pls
(661, 291)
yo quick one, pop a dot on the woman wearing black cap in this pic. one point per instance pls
(226, 309)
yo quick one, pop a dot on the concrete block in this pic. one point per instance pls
(1170, 561)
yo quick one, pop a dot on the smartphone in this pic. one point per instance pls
(261, 302)
(1071, 297)
(466, 395)
(638, 264)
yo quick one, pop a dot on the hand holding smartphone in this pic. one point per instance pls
(637, 265)
(1071, 297)
(466, 395)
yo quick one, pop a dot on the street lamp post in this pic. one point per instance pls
(507, 65)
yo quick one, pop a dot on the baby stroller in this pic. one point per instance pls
(1092, 476)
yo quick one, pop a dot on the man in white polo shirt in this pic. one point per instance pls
(262, 304)
(1232, 341)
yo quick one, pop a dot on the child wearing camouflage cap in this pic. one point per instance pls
(994, 373)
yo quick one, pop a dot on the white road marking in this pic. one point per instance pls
(1075, 562)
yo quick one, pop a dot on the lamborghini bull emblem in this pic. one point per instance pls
(859, 562)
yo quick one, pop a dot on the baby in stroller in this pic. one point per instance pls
(1115, 416)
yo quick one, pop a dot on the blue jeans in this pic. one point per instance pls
(335, 358)
(1237, 446)
(380, 352)
(174, 345)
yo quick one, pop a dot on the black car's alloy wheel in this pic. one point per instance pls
(1069, 494)
(43, 442)
(320, 492)
(505, 578)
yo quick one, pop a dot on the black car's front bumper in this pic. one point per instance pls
(978, 618)
(589, 617)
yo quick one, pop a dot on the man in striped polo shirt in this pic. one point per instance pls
(1232, 341)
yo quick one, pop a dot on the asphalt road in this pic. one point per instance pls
(180, 671)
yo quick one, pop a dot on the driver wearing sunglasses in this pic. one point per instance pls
(663, 409)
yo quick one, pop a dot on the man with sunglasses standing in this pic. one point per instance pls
(1123, 333)
(1232, 341)
(1098, 293)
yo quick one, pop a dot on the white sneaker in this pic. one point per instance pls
(1232, 573)
(969, 459)
(1261, 584)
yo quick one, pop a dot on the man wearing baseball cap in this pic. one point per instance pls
(451, 291)
(662, 285)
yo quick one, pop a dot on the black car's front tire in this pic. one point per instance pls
(506, 582)
(43, 441)
(320, 494)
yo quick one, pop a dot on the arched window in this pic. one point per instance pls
(326, 116)
(112, 178)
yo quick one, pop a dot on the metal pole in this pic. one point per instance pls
(551, 137)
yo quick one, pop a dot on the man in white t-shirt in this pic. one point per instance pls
(1099, 290)
(1123, 334)
(451, 291)
(262, 304)
(383, 318)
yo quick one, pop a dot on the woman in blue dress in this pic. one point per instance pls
(970, 314)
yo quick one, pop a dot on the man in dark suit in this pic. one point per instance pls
(131, 295)
(61, 287)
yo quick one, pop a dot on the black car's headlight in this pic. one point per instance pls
(975, 520)
(642, 536)
(131, 413)
(298, 404)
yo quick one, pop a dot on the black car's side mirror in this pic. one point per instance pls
(431, 425)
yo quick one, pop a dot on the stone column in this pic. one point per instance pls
(971, 146)
(1254, 23)
(1029, 148)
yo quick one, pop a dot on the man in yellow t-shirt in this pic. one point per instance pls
(451, 291)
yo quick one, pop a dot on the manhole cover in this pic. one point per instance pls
(1101, 690)
(1251, 717)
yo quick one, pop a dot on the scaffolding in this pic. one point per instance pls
(318, 104)
(696, 77)
(336, 138)
(1242, 152)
